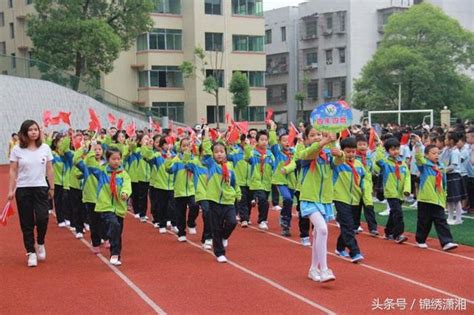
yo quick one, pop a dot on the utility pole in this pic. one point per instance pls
(399, 102)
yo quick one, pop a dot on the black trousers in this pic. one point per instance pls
(395, 225)
(61, 204)
(206, 219)
(96, 225)
(140, 198)
(369, 214)
(162, 206)
(182, 204)
(261, 197)
(303, 223)
(429, 214)
(275, 196)
(114, 228)
(223, 222)
(345, 218)
(245, 204)
(32, 203)
(470, 193)
(78, 209)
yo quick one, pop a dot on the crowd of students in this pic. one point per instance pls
(98, 177)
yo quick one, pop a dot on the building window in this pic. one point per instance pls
(283, 34)
(256, 78)
(343, 88)
(312, 89)
(213, 41)
(12, 30)
(10, 4)
(329, 22)
(3, 48)
(29, 2)
(329, 57)
(31, 58)
(211, 113)
(277, 63)
(276, 94)
(247, 43)
(160, 39)
(247, 7)
(13, 61)
(161, 76)
(328, 92)
(268, 37)
(218, 75)
(312, 58)
(213, 7)
(342, 55)
(173, 110)
(169, 7)
(311, 28)
(2, 19)
(342, 21)
(252, 113)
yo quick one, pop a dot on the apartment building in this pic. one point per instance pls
(230, 31)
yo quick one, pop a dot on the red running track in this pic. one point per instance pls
(266, 274)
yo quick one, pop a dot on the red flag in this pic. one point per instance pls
(169, 140)
(65, 117)
(55, 120)
(120, 124)
(243, 126)
(46, 117)
(405, 139)
(346, 133)
(292, 133)
(94, 123)
(111, 119)
(344, 104)
(6, 213)
(77, 141)
(372, 139)
(180, 131)
(269, 115)
(213, 134)
(131, 129)
(233, 135)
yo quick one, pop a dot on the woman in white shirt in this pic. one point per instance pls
(30, 164)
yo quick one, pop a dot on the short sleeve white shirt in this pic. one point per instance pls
(31, 165)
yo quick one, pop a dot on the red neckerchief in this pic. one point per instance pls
(113, 184)
(354, 172)
(289, 156)
(439, 178)
(397, 169)
(225, 171)
(363, 156)
(262, 158)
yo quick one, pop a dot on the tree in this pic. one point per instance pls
(210, 80)
(423, 50)
(300, 97)
(85, 36)
(240, 88)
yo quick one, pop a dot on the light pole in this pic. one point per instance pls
(399, 102)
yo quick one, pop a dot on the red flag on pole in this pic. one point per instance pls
(120, 124)
(46, 118)
(346, 133)
(65, 117)
(6, 213)
(55, 120)
(213, 134)
(405, 139)
(372, 139)
(94, 123)
(233, 134)
(111, 119)
(269, 115)
(292, 133)
(243, 126)
(131, 129)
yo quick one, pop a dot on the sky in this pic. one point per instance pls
(272, 4)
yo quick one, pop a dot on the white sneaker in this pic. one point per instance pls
(253, 203)
(225, 243)
(450, 246)
(458, 222)
(175, 229)
(114, 260)
(451, 222)
(156, 225)
(244, 224)
(192, 230)
(276, 208)
(305, 241)
(50, 211)
(314, 274)
(87, 227)
(414, 205)
(79, 236)
(62, 224)
(360, 229)
(385, 213)
(32, 260)
(422, 245)
(162, 230)
(68, 223)
(182, 239)
(327, 275)
(137, 215)
(41, 252)
(263, 226)
(207, 244)
(168, 224)
(222, 259)
(143, 219)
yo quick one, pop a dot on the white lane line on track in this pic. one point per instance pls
(426, 286)
(142, 295)
(260, 277)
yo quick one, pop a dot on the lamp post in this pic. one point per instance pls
(397, 73)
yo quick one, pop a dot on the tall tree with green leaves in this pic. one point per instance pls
(204, 61)
(240, 89)
(423, 50)
(85, 36)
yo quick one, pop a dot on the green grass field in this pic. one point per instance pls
(462, 234)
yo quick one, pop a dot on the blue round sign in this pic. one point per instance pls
(331, 117)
